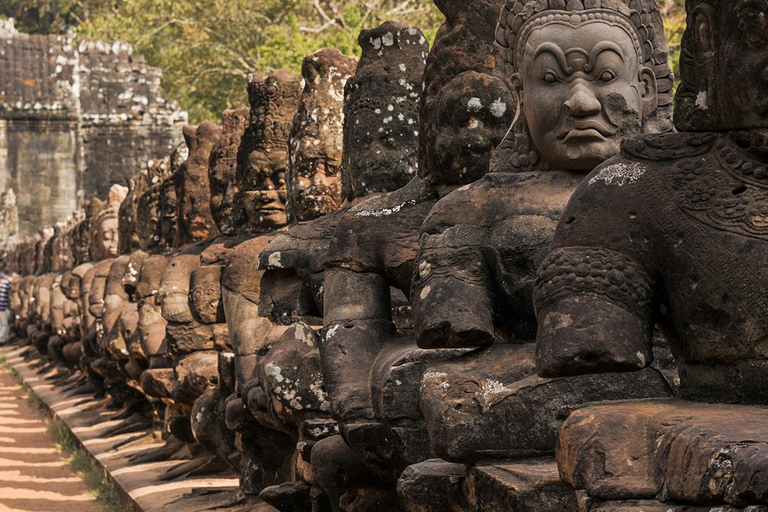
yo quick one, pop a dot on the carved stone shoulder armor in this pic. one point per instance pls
(668, 146)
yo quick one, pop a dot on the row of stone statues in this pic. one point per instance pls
(483, 276)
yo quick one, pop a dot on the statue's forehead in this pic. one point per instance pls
(581, 36)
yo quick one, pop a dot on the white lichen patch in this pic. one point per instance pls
(332, 331)
(386, 211)
(274, 260)
(492, 387)
(275, 372)
(305, 335)
(619, 174)
(498, 108)
(702, 100)
(474, 105)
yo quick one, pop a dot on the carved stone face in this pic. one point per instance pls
(205, 294)
(742, 83)
(265, 207)
(581, 92)
(106, 238)
(467, 119)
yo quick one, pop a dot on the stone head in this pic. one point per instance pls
(128, 212)
(151, 324)
(131, 277)
(114, 292)
(466, 106)
(149, 204)
(316, 142)
(168, 200)
(81, 233)
(44, 236)
(193, 203)
(76, 281)
(381, 111)
(262, 159)
(104, 229)
(205, 294)
(585, 79)
(718, 91)
(60, 247)
(223, 167)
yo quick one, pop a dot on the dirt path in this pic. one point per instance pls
(34, 476)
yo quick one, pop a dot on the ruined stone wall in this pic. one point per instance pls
(75, 119)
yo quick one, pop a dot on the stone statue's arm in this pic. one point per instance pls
(451, 295)
(358, 322)
(594, 313)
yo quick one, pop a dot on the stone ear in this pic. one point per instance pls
(704, 29)
(649, 93)
(516, 81)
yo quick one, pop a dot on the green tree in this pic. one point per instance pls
(206, 49)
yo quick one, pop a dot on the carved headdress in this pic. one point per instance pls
(640, 19)
(111, 210)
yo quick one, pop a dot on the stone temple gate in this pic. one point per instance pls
(75, 118)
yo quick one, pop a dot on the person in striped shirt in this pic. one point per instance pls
(5, 307)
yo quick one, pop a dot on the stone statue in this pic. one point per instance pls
(9, 219)
(222, 171)
(381, 111)
(374, 248)
(192, 190)
(81, 233)
(168, 200)
(316, 141)
(682, 249)
(481, 244)
(149, 207)
(262, 157)
(104, 228)
(128, 214)
(44, 235)
(59, 254)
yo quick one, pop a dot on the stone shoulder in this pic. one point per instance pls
(668, 146)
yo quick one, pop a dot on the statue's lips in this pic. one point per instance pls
(586, 130)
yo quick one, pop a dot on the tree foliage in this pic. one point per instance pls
(207, 48)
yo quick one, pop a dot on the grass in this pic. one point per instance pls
(94, 476)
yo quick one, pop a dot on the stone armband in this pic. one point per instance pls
(610, 275)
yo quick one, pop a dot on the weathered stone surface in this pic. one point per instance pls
(433, 482)
(316, 141)
(194, 220)
(490, 404)
(691, 452)
(657, 506)
(150, 204)
(222, 170)
(262, 159)
(525, 486)
(381, 111)
(151, 324)
(205, 294)
(104, 227)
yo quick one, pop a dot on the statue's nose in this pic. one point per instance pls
(582, 101)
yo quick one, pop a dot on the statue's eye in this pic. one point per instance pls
(607, 76)
(550, 77)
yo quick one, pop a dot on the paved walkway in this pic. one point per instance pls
(34, 476)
